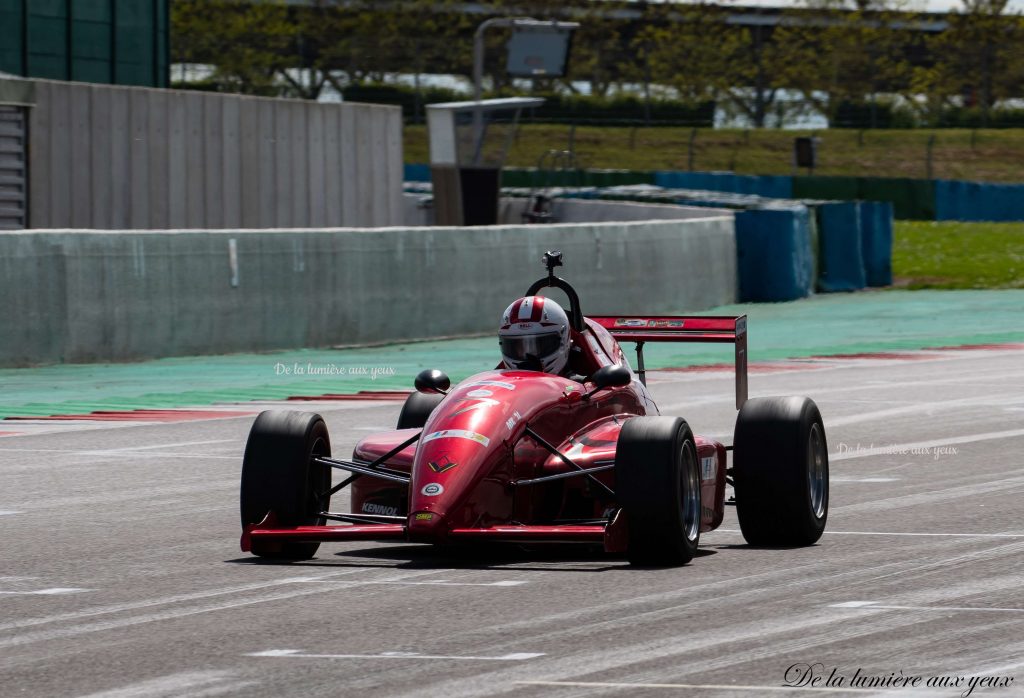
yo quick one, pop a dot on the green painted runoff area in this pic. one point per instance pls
(822, 325)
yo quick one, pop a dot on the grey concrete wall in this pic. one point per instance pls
(569, 211)
(82, 296)
(110, 157)
(595, 211)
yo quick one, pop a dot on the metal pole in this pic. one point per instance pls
(478, 78)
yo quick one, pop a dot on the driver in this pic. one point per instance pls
(534, 336)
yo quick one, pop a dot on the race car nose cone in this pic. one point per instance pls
(426, 527)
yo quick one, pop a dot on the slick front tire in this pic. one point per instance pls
(279, 476)
(417, 410)
(657, 483)
(780, 471)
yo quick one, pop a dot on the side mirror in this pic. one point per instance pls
(615, 376)
(432, 381)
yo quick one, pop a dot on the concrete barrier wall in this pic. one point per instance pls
(594, 211)
(83, 296)
(109, 157)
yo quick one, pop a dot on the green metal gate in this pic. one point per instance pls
(122, 42)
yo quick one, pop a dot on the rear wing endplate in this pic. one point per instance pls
(683, 328)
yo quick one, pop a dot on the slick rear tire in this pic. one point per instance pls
(278, 476)
(780, 470)
(417, 410)
(657, 483)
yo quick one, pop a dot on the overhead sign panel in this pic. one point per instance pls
(539, 50)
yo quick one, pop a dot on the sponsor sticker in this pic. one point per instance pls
(479, 393)
(492, 384)
(372, 508)
(423, 516)
(457, 434)
(432, 489)
(628, 322)
(665, 323)
(513, 420)
(708, 468)
(442, 464)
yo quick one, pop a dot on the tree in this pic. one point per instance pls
(245, 44)
(836, 57)
(977, 60)
(684, 51)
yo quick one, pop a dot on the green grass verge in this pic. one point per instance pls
(958, 255)
(983, 155)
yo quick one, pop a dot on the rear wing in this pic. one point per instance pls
(683, 328)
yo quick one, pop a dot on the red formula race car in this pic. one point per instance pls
(518, 456)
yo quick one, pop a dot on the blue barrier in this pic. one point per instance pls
(416, 173)
(1002, 202)
(876, 241)
(978, 201)
(773, 250)
(840, 249)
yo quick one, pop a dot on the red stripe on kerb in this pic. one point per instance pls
(752, 368)
(361, 395)
(978, 347)
(880, 355)
(141, 416)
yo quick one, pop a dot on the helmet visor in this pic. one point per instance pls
(539, 345)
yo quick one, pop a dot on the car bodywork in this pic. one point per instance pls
(520, 456)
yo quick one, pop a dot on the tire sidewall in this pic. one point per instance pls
(651, 488)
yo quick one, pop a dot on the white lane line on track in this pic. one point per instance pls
(299, 654)
(204, 683)
(67, 631)
(694, 686)
(901, 449)
(438, 583)
(898, 533)
(155, 446)
(871, 605)
(8, 512)
(149, 603)
(55, 591)
(833, 480)
(119, 452)
(930, 406)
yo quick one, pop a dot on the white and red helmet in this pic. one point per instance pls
(534, 335)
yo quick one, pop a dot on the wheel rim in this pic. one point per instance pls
(816, 478)
(691, 493)
(318, 478)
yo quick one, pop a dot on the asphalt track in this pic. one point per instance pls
(121, 574)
